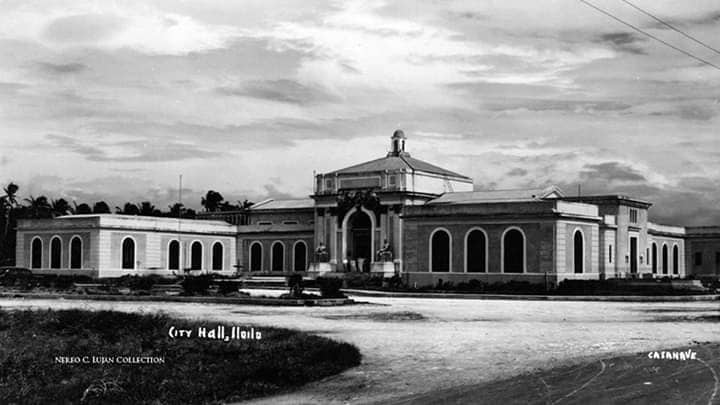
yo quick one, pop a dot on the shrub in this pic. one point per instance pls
(516, 287)
(61, 282)
(226, 287)
(135, 282)
(196, 285)
(24, 280)
(356, 280)
(295, 284)
(473, 285)
(395, 282)
(330, 287)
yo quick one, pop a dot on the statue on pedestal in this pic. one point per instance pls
(321, 254)
(385, 253)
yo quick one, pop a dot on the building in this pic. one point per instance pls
(393, 215)
(108, 245)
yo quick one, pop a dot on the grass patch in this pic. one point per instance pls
(195, 371)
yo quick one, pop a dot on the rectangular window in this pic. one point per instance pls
(264, 223)
(392, 181)
(360, 182)
(698, 258)
(290, 222)
(633, 216)
(609, 253)
(328, 184)
(717, 258)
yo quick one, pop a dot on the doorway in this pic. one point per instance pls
(633, 254)
(359, 241)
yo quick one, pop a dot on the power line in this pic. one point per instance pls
(686, 35)
(697, 58)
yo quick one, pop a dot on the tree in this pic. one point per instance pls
(128, 209)
(101, 207)
(146, 208)
(38, 207)
(60, 207)
(178, 210)
(8, 202)
(8, 206)
(82, 208)
(211, 201)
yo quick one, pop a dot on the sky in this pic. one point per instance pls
(113, 100)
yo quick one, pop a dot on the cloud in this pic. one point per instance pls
(517, 172)
(114, 26)
(282, 91)
(133, 150)
(273, 192)
(61, 68)
(623, 41)
(84, 28)
(610, 172)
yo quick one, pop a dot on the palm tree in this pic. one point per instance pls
(146, 208)
(178, 210)
(128, 209)
(7, 204)
(39, 207)
(211, 201)
(60, 207)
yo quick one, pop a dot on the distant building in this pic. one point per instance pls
(392, 215)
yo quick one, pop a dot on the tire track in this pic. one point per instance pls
(576, 390)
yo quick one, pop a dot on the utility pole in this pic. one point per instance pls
(181, 267)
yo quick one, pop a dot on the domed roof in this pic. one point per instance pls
(399, 134)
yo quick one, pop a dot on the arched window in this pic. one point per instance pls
(256, 256)
(513, 247)
(277, 262)
(196, 256)
(440, 251)
(665, 259)
(578, 251)
(128, 253)
(300, 256)
(174, 255)
(217, 256)
(36, 253)
(55, 253)
(676, 260)
(476, 251)
(654, 258)
(76, 253)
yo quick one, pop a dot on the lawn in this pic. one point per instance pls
(193, 371)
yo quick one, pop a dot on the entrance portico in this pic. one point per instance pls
(358, 238)
(358, 209)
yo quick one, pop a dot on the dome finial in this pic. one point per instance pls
(397, 143)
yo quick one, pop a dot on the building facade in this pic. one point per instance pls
(393, 215)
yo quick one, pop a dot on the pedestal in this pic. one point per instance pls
(319, 269)
(386, 269)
